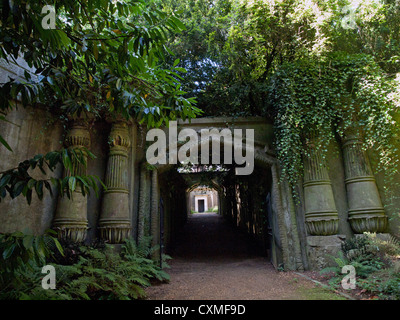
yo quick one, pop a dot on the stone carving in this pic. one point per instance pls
(71, 215)
(366, 213)
(320, 209)
(114, 222)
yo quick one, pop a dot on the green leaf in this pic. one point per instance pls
(28, 241)
(39, 189)
(8, 251)
(4, 143)
(5, 180)
(178, 23)
(72, 183)
(59, 247)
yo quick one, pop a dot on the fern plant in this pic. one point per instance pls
(141, 253)
(20, 252)
(83, 272)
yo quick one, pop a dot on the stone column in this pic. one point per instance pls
(71, 215)
(114, 222)
(320, 209)
(366, 213)
(144, 202)
(154, 210)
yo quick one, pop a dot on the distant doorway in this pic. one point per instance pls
(203, 199)
(201, 205)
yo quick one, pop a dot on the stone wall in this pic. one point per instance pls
(35, 131)
(28, 133)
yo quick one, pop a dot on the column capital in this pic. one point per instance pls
(78, 134)
(119, 136)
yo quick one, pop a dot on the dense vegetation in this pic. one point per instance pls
(103, 59)
(376, 265)
(85, 272)
(304, 63)
(320, 65)
(231, 48)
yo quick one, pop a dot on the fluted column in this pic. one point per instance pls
(320, 209)
(154, 210)
(144, 202)
(114, 222)
(71, 215)
(366, 213)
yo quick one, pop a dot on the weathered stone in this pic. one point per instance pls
(320, 210)
(366, 213)
(114, 222)
(71, 216)
(28, 132)
(380, 236)
(321, 249)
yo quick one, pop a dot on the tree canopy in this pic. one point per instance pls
(231, 48)
(103, 57)
(100, 59)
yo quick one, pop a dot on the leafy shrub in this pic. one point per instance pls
(374, 260)
(389, 246)
(366, 253)
(391, 287)
(21, 253)
(91, 272)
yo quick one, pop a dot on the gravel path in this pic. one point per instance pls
(212, 261)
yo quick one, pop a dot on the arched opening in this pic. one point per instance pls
(232, 219)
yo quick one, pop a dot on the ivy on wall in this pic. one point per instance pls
(328, 96)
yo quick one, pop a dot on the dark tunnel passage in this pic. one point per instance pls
(241, 227)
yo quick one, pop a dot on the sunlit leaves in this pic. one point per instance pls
(100, 53)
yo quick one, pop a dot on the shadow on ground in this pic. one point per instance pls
(213, 261)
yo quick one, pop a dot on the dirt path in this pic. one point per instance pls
(215, 262)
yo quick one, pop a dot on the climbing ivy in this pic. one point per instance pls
(328, 96)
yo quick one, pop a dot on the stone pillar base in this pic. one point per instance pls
(114, 231)
(321, 249)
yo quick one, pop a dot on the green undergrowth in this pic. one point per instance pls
(376, 262)
(83, 272)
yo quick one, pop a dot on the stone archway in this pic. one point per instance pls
(283, 209)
